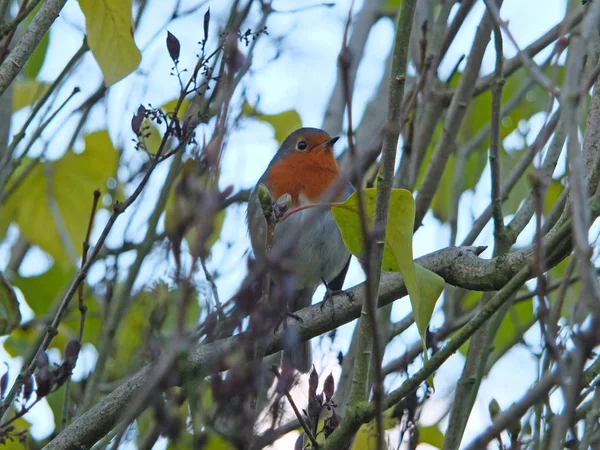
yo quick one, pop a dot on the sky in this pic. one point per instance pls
(301, 78)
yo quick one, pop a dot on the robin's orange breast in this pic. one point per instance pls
(307, 173)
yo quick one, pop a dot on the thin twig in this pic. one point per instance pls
(534, 70)
(24, 11)
(495, 137)
(11, 33)
(513, 64)
(514, 176)
(85, 250)
(297, 412)
(454, 118)
(82, 307)
(213, 287)
(5, 173)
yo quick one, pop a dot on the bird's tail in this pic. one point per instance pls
(299, 357)
(299, 354)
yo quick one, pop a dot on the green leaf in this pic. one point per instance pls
(74, 178)
(26, 92)
(479, 113)
(36, 60)
(431, 286)
(19, 426)
(110, 37)
(215, 442)
(573, 293)
(129, 352)
(41, 291)
(391, 7)
(56, 401)
(366, 437)
(93, 321)
(284, 122)
(169, 106)
(152, 315)
(508, 160)
(431, 435)
(555, 189)
(184, 441)
(397, 255)
(10, 316)
(518, 319)
(156, 135)
(478, 116)
(442, 200)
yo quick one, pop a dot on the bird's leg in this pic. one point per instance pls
(284, 319)
(330, 293)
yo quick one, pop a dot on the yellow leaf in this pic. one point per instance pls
(19, 426)
(366, 437)
(74, 178)
(391, 7)
(431, 435)
(284, 122)
(156, 135)
(110, 37)
(423, 286)
(431, 286)
(555, 189)
(215, 442)
(10, 316)
(26, 92)
(169, 107)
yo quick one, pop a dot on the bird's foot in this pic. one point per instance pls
(283, 322)
(329, 294)
(293, 316)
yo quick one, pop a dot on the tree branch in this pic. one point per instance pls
(30, 39)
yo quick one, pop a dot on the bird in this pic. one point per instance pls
(304, 167)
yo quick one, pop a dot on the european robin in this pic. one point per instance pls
(304, 167)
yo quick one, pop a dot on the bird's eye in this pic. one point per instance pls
(301, 145)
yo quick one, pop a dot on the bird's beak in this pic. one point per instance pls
(331, 141)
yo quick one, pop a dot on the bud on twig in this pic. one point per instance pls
(514, 429)
(173, 47)
(282, 204)
(493, 408)
(206, 22)
(313, 383)
(137, 119)
(329, 387)
(264, 197)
